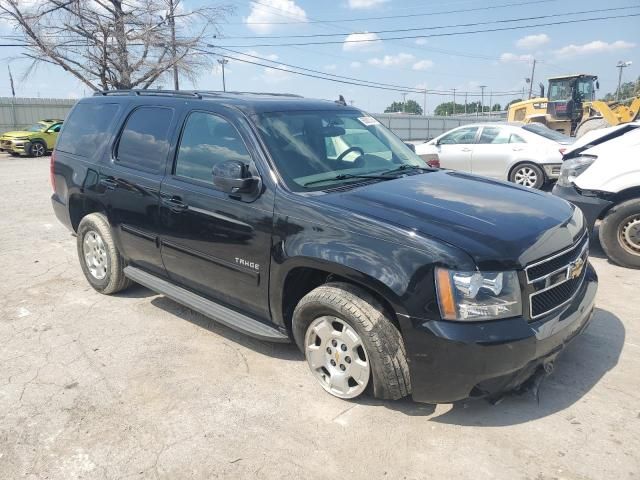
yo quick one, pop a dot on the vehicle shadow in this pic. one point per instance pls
(283, 351)
(578, 369)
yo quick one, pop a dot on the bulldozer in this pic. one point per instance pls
(571, 107)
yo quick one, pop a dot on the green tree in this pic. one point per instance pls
(512, 102)
(410, 106)
(496, 108)
(446, 108)
(627, 90)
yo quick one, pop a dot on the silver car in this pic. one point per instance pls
(529, 155)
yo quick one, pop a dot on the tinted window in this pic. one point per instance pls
(461, 136)
(494, 135)
(55, 128)
(144, 142)
(208, 139)
(516, 139)
(87, 128)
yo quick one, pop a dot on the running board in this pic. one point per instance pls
(226, 316)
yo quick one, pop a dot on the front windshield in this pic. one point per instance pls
(312, 148)
(37, 127)
(559, 90)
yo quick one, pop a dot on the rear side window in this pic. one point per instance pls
(87, 128)
(462, 136)
(144, 142)
(208, 139)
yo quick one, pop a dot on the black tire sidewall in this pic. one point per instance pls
(86, 225)
(540, 172)
(609, 239)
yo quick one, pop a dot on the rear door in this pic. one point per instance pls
(455, 148)
(131, 183)
(214, 243)
(493, 152)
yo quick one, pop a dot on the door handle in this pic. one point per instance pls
(175, 204)
(466, 149)
(517, 149)
(109, 183)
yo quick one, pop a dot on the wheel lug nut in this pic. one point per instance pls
(342, 367)
(334, 342)
(333, 363)
(329, 350)
(347, 359)
(343, 347)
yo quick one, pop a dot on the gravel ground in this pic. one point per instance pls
(137, 386)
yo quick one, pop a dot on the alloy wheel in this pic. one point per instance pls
(337, 357)
(95, 254)
(37, 149)
(526, 176)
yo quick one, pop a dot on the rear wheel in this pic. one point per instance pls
(101, 263)
(591, 124)
(620, 234)
(528, 175)
(37, 149)
(350, 344)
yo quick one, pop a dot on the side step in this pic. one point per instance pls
(215, 311)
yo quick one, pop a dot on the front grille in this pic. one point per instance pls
(5, 144)
(556, 280)
(556, 262)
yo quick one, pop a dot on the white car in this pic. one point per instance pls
(529, 155)
(601, 175)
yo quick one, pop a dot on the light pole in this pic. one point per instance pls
(223, 62)
(454, 101)
(482, 87)
(404, 101)
(620, 66)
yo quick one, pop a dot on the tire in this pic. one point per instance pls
(591, 124)
(620, 234)
(101, 263)
(37, 149)
(527, 174)
(351, 312)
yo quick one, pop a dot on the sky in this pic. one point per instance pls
(499, 60)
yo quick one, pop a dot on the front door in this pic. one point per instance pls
(456, 147)
(214, 243)
(492, 154)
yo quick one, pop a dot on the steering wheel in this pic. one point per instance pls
(349, 150)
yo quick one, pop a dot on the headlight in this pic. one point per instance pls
(572, 168)
(477, 296)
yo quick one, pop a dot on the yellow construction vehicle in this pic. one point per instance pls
(571, 107)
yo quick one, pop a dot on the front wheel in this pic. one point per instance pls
(528, 175)
(350, 344)
(620, 234)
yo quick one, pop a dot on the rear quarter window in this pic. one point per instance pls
(87, 128)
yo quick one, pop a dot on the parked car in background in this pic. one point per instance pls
(34, 141)
(529, 155)
(601, 175)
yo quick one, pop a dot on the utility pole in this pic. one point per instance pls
(620, 66)
(174, 50)
(482, 87)
(13, 98)
(490, 102)
(404, 102)
(465, 103)
(533, 71)
(454, 101)
(424, 102)
(223, 62)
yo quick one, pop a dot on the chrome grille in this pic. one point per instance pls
(555, 280)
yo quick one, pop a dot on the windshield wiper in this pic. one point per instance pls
(345, 176)
(405, 167)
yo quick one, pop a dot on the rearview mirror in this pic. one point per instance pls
(234, 177)
(332, 131)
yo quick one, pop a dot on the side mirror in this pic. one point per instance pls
(411, 146)
(597, 85)
(233, 177)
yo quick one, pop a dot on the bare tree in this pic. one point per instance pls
(114, 43)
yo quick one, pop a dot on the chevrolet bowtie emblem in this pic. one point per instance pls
(575, 268)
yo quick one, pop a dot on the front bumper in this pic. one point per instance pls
(451, 361)
(552, 170)
(13, 146)
(591, 206)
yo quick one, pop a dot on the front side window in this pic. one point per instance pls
(560, 90)
(462, 136)
(208, 139)
(144, 142)
(312, 148)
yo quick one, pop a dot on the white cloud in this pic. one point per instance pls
(330, 67)
(363, 4)
(392, 60)
(361, 42)
(262, 17)
(421, 41)
(422, 65)
(533, 41)
(597, 46)
(512, 57)
(276, 76)
(250, 54)
(355, 65)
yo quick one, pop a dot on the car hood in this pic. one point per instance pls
(597, 137)
(17, 134)
(500, 225)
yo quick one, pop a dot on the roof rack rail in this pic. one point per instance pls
(232, 92)
(140, 92)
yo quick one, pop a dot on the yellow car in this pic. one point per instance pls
(35, 141)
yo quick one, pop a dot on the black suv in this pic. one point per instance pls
(290, 218)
